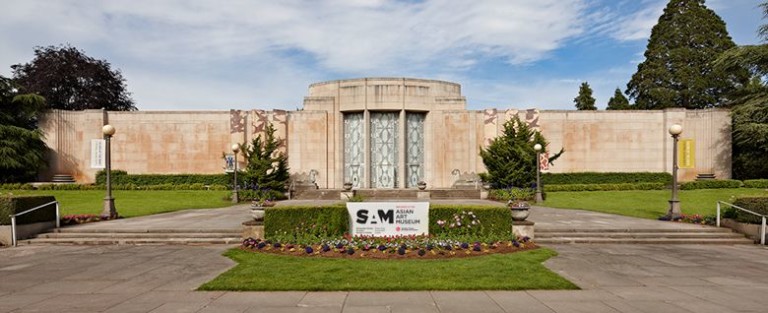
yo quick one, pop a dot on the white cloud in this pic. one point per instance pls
(638, 25)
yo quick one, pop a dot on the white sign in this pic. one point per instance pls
(98, 158)
(388, 218)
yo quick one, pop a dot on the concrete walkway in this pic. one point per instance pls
(613, 278)
(230, 218)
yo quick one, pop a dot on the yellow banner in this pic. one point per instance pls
(686, 153)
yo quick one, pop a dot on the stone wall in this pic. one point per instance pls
(313, 138)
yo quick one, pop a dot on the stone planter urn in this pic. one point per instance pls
(520, 209)
(422, 185)
(257, 213)
(347, 186)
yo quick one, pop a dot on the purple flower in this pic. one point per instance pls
(401, 251)
(422, 252)
(309, 250)
(382, 248)
(326, 247)
(464, 245)
(350, 251)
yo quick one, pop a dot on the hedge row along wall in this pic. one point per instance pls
(17, 204)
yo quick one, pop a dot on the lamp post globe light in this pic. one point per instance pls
(538, 148)
(109, 210)
(674, 204)
(235, 149)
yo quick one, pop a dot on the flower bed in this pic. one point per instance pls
(411, 247)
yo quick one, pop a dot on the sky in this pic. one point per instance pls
(221, 55)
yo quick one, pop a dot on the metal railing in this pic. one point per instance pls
(762, 229)
(13, 219)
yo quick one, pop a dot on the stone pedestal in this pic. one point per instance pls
(484, 194)
(253, 229)
(423, 195)
(346, 195)
(522, 229)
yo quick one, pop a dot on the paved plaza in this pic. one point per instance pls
(613, 278)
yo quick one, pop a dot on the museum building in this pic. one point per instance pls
(386, 133)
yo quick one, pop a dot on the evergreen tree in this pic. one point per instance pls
(618, 101)
(678, 70)
(22, 149)
(585, 101)
(510, 158)
(267, 168)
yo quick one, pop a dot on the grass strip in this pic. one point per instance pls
(269, 272)
(647, 203)
(132, 203)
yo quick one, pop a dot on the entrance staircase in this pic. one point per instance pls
(704, 235)
(74, 236)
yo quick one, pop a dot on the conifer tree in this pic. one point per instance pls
(510, 158)
(267, 168)
(678, 70)
(585, 101)
(618, 101)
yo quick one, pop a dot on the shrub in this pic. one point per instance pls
(10, 204)
(524, 194)
(16, 186)
(756, 183)
(260, 195)
(605, 187)
(120, 177)
(492, 222)
(711, 184)
(301, 221)
(604, 178)
(755, 204)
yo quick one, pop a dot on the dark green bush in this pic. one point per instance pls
(756, 183)
(494, 221)
(711, 184)
(317, 221)
(755, 204)
(604, 178)
(16, 204)
(605, 187)
(256, 195)
(16, 186)
(123, 178)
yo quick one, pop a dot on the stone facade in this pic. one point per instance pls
(409, 129)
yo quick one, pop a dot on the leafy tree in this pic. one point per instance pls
(678, 69)
(70, 80)
(510, 158)
(22, 149)
(267, 167)
(585, 101)
(750, 136)
(750, 107)
(618, 101)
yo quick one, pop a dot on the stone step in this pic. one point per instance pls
(454, 194)
(676, 241)
(387, 194)
(149, 230)
(131, 241)
(316, 194)
(63, 178)
(633, 230)
(648, 235)
(137, 235)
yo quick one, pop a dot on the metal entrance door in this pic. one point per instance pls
(354, 156)
(384, 129)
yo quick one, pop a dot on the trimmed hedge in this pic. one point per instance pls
(333, 221)
(17, 204)
(317, 221)
(756, 183)
(605, 187)
(604, 178)
(711, 184)
(114, 187)
(123, 178)
(754, 204)
(494, 221)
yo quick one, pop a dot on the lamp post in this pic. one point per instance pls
(235, 149)
(538, 147)
(109, 210)
(674, 204)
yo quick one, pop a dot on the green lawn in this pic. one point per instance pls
(646, 203)
(269, 272)
(131, 203)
